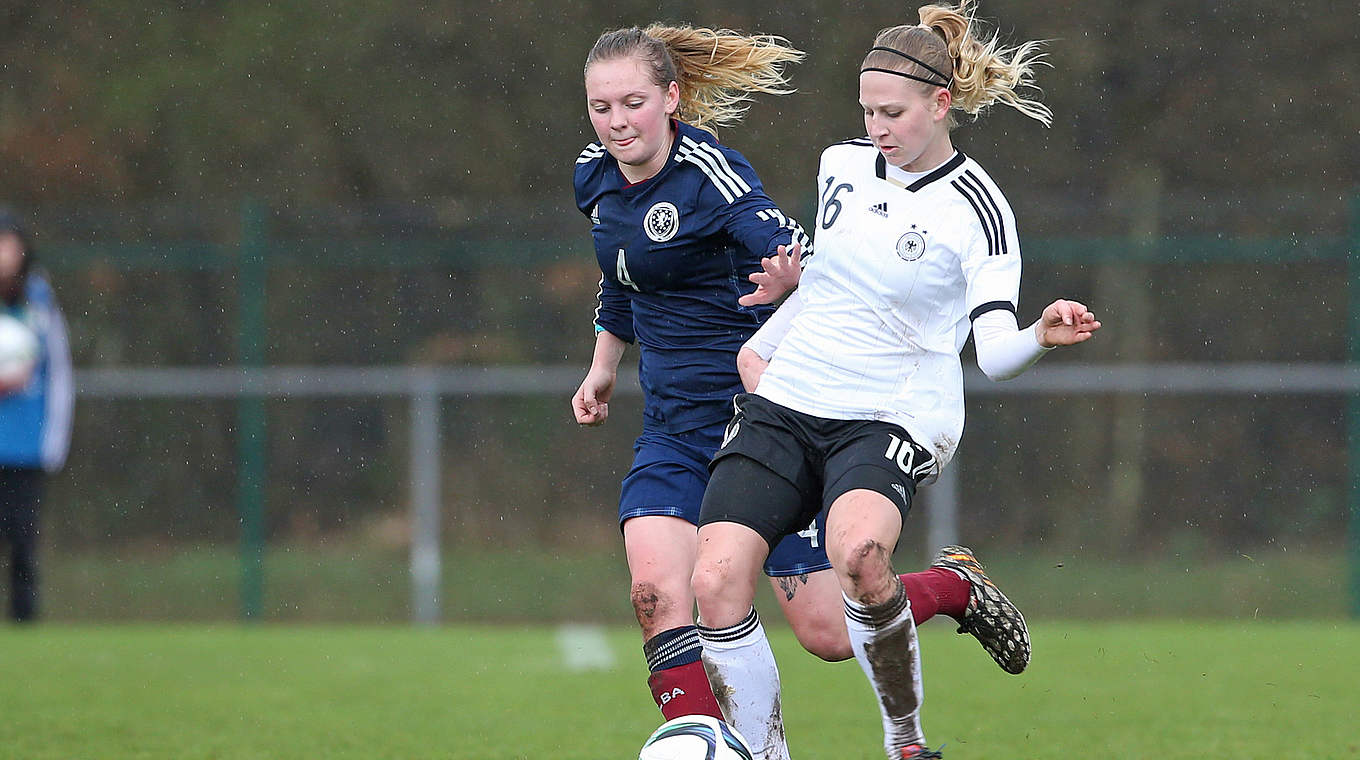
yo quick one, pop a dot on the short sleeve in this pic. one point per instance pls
(990, 256)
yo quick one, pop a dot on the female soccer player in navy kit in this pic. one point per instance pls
(680, 223)
(858, 385)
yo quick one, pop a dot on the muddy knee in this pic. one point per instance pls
(649, 604)
(868, 567)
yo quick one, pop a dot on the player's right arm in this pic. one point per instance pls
(614, 313)
(591, 402)
(755, 353)
(613, 332)
(750, 366)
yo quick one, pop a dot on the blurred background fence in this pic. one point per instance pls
(332, 191)
(262, 416)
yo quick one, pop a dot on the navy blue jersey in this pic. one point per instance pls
(675, 252)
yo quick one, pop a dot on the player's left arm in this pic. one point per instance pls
(990, 258)
(1005, 351)
(759, 225)
(779, 274)
(755, 353)
(1065, 323)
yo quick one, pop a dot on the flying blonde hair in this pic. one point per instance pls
(978, 72)
(717, 69)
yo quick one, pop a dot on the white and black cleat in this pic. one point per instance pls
(990, 618)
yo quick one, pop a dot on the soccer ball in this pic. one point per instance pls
(695, 737)
(18, 353)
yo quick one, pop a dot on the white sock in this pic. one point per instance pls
(741, 669)
(884, 639)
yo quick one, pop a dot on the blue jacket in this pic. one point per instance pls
(35, 421)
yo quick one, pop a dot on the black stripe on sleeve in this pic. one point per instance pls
(990, 306)
(993, 217)
(1000, 220)
(982, 217)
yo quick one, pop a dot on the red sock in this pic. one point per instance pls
(684, 690)
(936, 590)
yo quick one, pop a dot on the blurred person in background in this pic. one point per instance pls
(682, 226)
(858, 386)
(36, 405)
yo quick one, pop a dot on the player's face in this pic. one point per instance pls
(906, 121)
(631, 115)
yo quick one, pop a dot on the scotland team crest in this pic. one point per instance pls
(661, 222)
(912, 245)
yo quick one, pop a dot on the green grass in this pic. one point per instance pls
(1249, 689)
(351, 582)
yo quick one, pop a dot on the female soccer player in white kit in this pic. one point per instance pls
(862, 396)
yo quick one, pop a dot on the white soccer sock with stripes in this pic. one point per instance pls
(742, 671)
(883, 637)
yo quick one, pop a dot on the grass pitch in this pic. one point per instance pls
(354, 582)
(1258, 689)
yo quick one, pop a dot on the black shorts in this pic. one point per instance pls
(777, 468)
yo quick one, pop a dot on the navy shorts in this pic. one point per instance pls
(668, 477)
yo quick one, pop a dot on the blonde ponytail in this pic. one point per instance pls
(980, 72)
(717, 70)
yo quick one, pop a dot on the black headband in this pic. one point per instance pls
(942, 82)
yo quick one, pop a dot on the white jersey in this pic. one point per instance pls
(904, 263)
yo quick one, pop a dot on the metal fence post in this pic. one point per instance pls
(942, 509)
(250, 416)
(1353, 406)
(425, 472)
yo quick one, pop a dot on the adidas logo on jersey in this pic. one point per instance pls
(880, 208)
(595, 214)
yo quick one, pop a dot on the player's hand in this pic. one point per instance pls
(750, 366)
(1065, 323)
(591, 402)
(779, 274)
